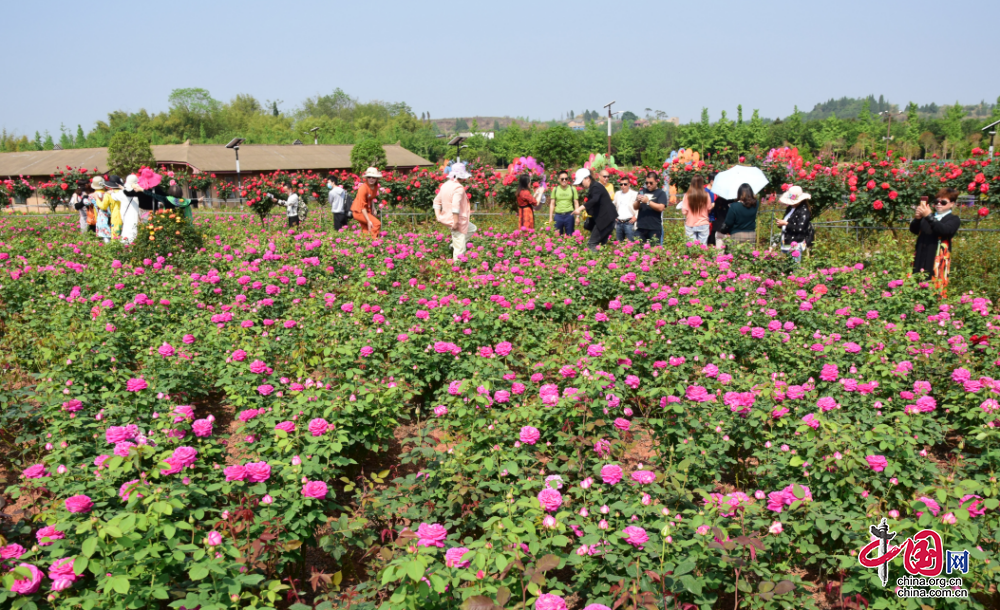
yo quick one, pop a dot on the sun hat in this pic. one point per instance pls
(132, 183)
(372, 172)
(458, 172)
(97, 183)
(793, 196)
(581, 173)
(114, 182)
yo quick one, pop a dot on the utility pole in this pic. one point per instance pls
(888, 133)
(608, 106)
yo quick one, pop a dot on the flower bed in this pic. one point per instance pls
(306, 418)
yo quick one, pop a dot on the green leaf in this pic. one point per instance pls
(415, 570)
(683, 569)
(120, 584)
(198, 572)
(169, 531)
(89, 546)
(80, 564)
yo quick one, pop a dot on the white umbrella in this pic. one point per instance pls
(728, 182)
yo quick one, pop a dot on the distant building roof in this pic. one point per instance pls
(486, 134)
(207, 158)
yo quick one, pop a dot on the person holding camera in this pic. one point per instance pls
(934, 230)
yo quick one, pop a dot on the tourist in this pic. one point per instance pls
(174, 200)
(796, 226)
(130, 208)
(291, 207)
(337, 199)
(934, 230)
(83, 204)
(600, 207)
(696, 205)
(363, 207)
(563, 205)
(650, 203)
(527, 203)
(452, 209)
(624, 201)
(603, 177)
(740, 223)
(103, 201)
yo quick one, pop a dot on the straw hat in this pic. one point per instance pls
(97, 183)
(794, 195)
(458, 172)
(372, 172)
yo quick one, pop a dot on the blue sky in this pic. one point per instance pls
(536, 59)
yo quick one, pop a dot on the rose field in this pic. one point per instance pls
(269, 418)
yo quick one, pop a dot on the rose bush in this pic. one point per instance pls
(533, 424)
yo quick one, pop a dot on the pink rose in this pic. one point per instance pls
(286, 426)
(622, 424)
(72, 405)
(318, 426)
(550, 499)
(314, 489)
(35, 472)
(635, 535)
(258, 367)
(877, 462)
(62, 569)
(431, 534)
(127, 489)
(214, 538)
(136, 384)
(453, 557)
(643, 477)
(265, 389)
(47, 535)
(202, 427)
(611, 474)
(235, 473)
(79, 504)
(257, 472)
(185, 456)
(550, 601)
(530, 435)
(29, 585)
(11, 551)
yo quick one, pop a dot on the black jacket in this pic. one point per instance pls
(600, 207)
(799, 228)
(930, 233)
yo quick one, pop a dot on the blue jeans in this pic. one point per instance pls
(624, 231)
(699, 233)
(650, 235)
(565, 223)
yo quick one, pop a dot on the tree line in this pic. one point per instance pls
(338, 118)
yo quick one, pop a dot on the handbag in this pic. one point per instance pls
(590, 224)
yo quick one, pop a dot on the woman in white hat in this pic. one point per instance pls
(796, 226)
(130, 209)
(452, 208)
(103, 202)
(363, 208)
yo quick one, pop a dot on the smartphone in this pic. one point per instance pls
(924, 199)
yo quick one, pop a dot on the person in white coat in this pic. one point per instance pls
(130, 208)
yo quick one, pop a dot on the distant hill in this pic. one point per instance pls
(849, 107)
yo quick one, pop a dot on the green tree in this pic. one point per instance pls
(194, 101)
(757, 131)
(81, 138)
(461, 125)
(48, 144)
(127, 152)
(556, 147)
(367, 153)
